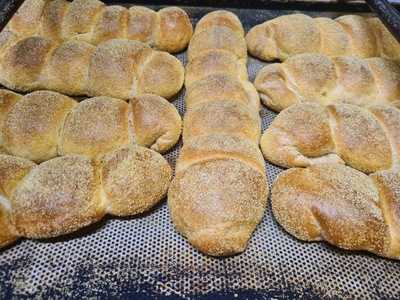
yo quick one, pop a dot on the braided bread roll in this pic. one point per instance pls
(220, 190)
(367, 139)
(43, 124)
(350, 35)
(340, 205)
(116, 68)
(318, 78)
(92, 21)
(67, 193)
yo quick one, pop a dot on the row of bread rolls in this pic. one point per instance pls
(219, 193)
(92, 21)
(66, 193)
(44, 124)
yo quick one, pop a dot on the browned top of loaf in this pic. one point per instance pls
(52, 17)
(7, 102)
(220, 18)
(141, 23)
(57, 197)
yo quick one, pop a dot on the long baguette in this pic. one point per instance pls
(44, 124)
(349, 35)
(340, 205)
(116, 68)
(92, 21)
(220, 190)
(318, 78)
(67, 193)
(367, 139)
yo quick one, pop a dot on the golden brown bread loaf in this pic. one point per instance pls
(44, 124)
(67, 193)
(340, 205)
(92, 21)
(220, 190)
(367, 139)
(318, 78)
(116, 68)
(349, 35)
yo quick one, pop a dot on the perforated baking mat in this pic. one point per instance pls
(144, 257)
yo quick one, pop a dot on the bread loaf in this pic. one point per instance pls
(318, 78)
(340, 205)
(350, 35)
(43, 124)
(92, 21)
(116, 68)
(67, 193)
(220, 190)
(367, 139)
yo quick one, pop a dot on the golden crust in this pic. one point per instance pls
(220, 18)
(156, 123)
(217, 204)
(31, 128)
(134, 180)
(52, 19)
(141, 24)
(95, 127)
(7, 235)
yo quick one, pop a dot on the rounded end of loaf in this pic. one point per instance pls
(57, 197)
(7, 234)
(260, 44)
(174, 31)
(162, 74)
(217, 204)
(156, 122)
(134, 180)
(27, 18)
(94, 127)
(31, 128)
(220, 18)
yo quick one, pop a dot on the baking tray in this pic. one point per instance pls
(144, 257)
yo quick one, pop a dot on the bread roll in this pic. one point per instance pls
(349, 35)
(340, 205)
(318, 78)
(67, 193)
(92, 21)
(44, 124)
(220, 190)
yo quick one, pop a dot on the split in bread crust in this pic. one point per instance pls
(349, 35)
(305, 134)
(67, 193)
(92, 21)
(44, 124)
(220, 190)
(340, 205)
(115, 68)
(318, 78)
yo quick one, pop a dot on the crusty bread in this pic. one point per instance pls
(67, 193)
(317, 78)
(220, 190)
(44, 124)
(350, 35)
(116, 68)
(92, 21)
(340, 205)
(305, 134)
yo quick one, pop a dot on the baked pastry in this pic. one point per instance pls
(349, 35)
(43, 124)
(340, 205)
(116, 68)
(317, 78)
(67, 193)
(220, 190)
(92, 21)
(305, 134)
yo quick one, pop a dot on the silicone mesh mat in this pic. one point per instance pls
(145, 257)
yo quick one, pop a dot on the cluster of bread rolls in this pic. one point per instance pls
(44, 124)
(340, 205)
(219, 193)
(116, 68)
(367, 139)
(350, 35)
(318, 78)
(92, 21)
(66, 193)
